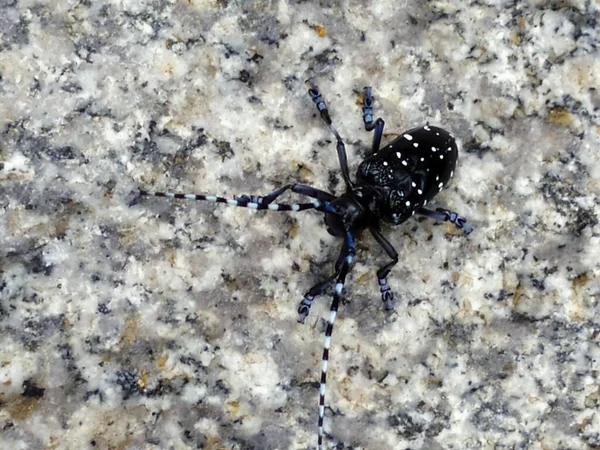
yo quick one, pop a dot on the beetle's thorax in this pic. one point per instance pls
(357, 210)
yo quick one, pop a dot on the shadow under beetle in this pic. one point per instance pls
(392, 184)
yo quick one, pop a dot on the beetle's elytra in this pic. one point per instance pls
(410, 171)
(392, 184)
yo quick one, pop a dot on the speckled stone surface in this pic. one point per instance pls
(153, 324)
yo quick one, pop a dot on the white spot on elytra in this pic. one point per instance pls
(385, 163)
(433, 149)
(407, 136)
(451, 174)
(441, 185)
(420, 191)
(441, 156)
(407, 203)
(426, 128)
(399, 155)
(449, 149)
(413, 184)
(424, 202)
(404, 163)
(437, 134)
(437, 177)
(415, 144)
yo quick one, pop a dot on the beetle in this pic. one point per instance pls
(392, 184)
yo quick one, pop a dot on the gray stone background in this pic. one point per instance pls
(172, 325)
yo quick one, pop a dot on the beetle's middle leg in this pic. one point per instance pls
(387, 296)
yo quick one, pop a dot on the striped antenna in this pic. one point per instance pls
(244, 202)
(325, 360)
(339, 287)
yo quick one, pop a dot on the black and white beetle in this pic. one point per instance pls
(392, 184)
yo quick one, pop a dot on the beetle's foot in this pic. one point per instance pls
(304, 308)
(387, 296)
(459, 221)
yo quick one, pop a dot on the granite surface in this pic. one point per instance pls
(132, 323)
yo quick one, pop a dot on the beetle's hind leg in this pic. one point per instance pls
(447, 216)
(371, 125)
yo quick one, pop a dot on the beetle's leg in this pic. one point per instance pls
(316, 290)
(321, 287)
(378, 125)
(346, 265)
(317, 98)
(297, 188)
(387, 296)
(447, 216)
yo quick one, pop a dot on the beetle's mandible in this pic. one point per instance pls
(392, 184)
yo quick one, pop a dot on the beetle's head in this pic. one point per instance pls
(351, 214)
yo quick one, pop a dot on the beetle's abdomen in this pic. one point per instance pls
(410, 171)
